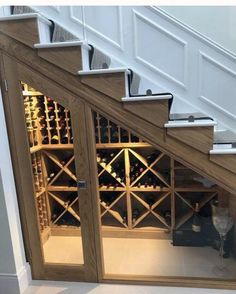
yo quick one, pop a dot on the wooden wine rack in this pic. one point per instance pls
(141, 189)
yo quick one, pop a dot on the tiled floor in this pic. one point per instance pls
(48, 287)
(61, 249)
(142, 257)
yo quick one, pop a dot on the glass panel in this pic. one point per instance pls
(50, 137)
(159, 218)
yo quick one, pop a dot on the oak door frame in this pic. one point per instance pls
(14, 72)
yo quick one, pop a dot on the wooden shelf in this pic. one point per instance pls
(141, 189)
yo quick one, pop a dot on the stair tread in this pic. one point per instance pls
(104, 71)
(25, 16)
(61, 44)
(184, 116)
(186, 123)
(223, 149)
(147, 98)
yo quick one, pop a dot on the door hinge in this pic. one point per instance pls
(6, 85)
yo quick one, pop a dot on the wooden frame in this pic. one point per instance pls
(73, 87)
(23, 175)
(105, 105)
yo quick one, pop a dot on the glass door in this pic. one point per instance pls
(48, 138)
(159, 218)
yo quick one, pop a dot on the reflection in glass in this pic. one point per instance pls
(223, 222)
(50, 138)
(156, 212)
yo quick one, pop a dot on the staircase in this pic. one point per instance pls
(89, 73)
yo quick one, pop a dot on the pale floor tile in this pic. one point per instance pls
(50, 287)
(142, 257)
(63, 249)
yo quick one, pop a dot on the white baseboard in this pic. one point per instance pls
(15, 283)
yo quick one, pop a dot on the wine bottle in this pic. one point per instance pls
(132, 178)
(104, 135)
(51, 176)
(61, 110)
(45, 140)
(167, 217)
(42, 122)
(155, 184)
(114, 135)
(53, 123)
(103, 122)
(124, 136)
(151, 157)
(39, 104)
(150, 200)
(150, 181)
(134, 138)
(105, 159)
(135, 215)
(54, 137)
(64, 137)
(124, 217)
(196, 224)
(122, 180)
(71, 137)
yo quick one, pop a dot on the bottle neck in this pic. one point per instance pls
(197, 208)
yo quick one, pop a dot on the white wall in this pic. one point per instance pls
(7, 264)
(216, 22)
(14, 271)
(168, 55)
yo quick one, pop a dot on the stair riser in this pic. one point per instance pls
(200, 138)
(155, 112)
(31, 63)
(28, 31)
(113, 85)
(227, 161)
(70, 57)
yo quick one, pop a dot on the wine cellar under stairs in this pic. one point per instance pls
(142, 190)
(189, 140)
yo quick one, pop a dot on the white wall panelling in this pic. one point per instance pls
(155, 51)
(108, 28)
(162, 49)
(216, 94)
(217, 22)
(56, 8)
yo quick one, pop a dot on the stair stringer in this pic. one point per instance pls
(29, 64)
